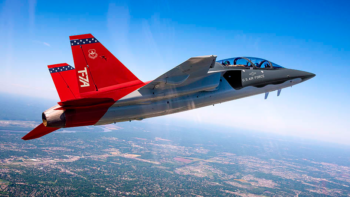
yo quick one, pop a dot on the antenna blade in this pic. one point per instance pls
(266, 95)
(279, 92)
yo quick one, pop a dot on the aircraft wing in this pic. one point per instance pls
(189, 71)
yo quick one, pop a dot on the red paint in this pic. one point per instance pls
(116, 91)
(82, 36)
(105, 81)
(39, 131)
(65, 83)
(80, 66)
(108, 78)
(101, 66)
(101, 105)
(85, 102)
(57, 65)
(91, 115)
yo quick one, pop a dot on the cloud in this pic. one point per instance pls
(31, 11)
(20, 85)
(118, 25)
(118, 19)
(30, 89)
(158, 34)
(43, 43)
(7, 23)
(271, 116)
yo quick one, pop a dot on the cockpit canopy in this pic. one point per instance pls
(247, 62)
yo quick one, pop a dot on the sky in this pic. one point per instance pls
(151, 37)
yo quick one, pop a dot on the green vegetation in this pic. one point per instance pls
(4, 182)
(131, 162)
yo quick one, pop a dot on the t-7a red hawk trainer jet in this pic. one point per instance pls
(101, 90)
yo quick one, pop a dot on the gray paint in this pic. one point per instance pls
(196, 83)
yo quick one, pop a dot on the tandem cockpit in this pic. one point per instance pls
(249, 62)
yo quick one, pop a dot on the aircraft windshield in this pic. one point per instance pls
(249, 62)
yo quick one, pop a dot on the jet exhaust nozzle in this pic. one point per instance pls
(54, 118)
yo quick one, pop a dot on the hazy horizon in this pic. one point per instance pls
(30, 108)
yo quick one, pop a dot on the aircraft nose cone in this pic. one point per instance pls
(306, 75)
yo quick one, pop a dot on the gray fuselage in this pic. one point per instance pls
(220, 85)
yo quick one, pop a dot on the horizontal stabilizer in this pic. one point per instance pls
(39, 131)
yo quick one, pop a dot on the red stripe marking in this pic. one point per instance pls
(82, 36)
(57, 65)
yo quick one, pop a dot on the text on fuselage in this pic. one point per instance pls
(253, 78)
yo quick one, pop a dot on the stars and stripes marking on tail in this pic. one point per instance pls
(61, 68)
(83, 41)
(98, 70)
(65, 79)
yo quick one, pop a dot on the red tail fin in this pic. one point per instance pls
(96, 67)
(64, 77)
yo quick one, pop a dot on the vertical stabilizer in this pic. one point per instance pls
(65, 80)
(96, 67)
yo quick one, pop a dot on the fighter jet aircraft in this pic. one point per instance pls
(101, 90)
